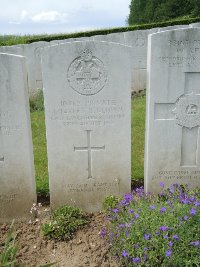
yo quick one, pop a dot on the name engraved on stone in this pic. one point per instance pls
(186, 112)
(89, 149)
(87, 74)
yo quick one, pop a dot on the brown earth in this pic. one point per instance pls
(86, 249)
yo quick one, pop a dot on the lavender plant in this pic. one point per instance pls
(156, 230)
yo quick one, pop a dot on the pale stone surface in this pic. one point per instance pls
(194, 25)
(87, 104)
(172, 153)
(17, 190)
(32, 52)
(138, 41)
(14, 49)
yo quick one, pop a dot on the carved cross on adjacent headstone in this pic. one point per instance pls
(1, 147)
(89, 149)
(186, 112)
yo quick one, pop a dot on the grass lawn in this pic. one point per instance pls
(40, 153)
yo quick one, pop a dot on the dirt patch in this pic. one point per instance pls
(85, 249)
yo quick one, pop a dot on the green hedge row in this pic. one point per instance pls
(36, 38)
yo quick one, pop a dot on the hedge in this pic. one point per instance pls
(36, 38)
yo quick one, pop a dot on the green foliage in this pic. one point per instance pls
(110, 202)
(8, 256)
(161, 230)
(139, 24)
(37, 102)
(64, 222)
(148, 11)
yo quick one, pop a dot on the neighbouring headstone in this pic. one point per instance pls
(195, 25)
(172, 153)
(17, 184)
(14, 49)
(87, 88)
(138, 41)
(32, 52)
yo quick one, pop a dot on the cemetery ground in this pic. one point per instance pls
(142, 230)
(87, 248)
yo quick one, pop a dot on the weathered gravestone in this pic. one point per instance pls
(173, 109)
(138, 41)
(87, 88)
(17, 184)
(32, 52)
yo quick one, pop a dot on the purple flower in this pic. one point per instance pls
(162, 210)
(185, 201)
(171, 190)
(166, 236)
(197, 204)
(136, 216)
(175, 237)
(195, 243)
(162, 184)
(124, 253)
(136, 246)
(192, 211)
(171, 243)
(192, 199)
(147, 236)
(130, 211)
(168, 253)
(185, 217)
(136, 260)
(115, 210)
(121, 226)
(163, 228)
(157, 233)
(152, 207)
(145, 248)
(127, 233)
(128, 225)
(103, 232)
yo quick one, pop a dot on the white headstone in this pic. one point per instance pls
(14, 49)
(87, 87)
(172, 153)
(195, 25)
(17, 184)
(138, 41)
(32, 52)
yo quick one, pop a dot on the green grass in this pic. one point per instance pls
(138, 131)
(40, 152)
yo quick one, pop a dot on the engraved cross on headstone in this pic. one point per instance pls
(89, 149)
(1, 147)
(186, 112)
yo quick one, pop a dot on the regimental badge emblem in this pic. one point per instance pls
(187, 110)
(87, 74)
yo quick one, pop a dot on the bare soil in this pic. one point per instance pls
(86, 249)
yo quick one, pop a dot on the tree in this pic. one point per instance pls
(148, 11)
